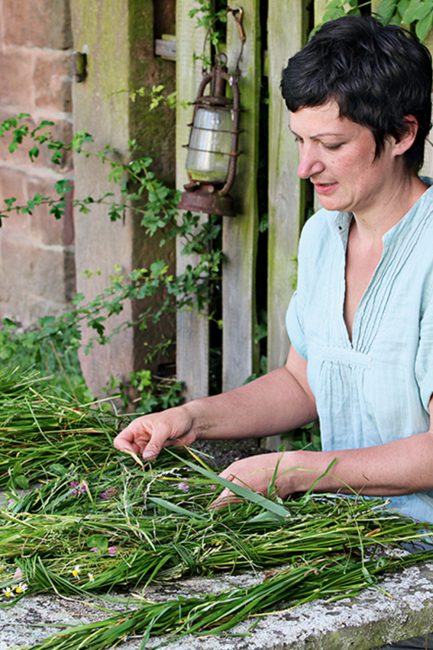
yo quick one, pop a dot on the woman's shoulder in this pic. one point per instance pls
(323, 229)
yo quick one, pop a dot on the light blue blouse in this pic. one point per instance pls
(375, 388)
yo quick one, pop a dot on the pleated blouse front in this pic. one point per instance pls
(376, 387)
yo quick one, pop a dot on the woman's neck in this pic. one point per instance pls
(395, 201)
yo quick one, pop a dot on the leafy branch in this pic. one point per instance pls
(414, 14)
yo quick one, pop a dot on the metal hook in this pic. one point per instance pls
(238, 15)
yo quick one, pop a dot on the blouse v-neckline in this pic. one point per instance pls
(401, 239)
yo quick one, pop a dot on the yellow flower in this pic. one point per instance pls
(8, 592)
(76, 571)
(21, 588)
(91, 577)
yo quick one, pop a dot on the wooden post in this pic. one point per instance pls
(286, 35)
(319, 10)
(192, 349)
(118, 39)
(240, 232)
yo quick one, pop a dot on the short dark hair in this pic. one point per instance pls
(377, 74)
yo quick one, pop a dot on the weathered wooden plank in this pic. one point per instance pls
(192, 341)
(240, 232)
(286, 35)
(166, 48)
(319, 10)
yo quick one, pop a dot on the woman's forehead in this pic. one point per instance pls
(323, 120)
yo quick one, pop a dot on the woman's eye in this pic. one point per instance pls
(333, 147)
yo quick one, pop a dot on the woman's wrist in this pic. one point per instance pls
(296, 472)
(195, 412)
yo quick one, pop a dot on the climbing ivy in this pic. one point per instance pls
(417, 15)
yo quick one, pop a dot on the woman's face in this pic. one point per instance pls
(338, 156)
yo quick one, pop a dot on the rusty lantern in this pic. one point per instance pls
(213, 144)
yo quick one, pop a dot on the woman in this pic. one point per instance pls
(361, 321)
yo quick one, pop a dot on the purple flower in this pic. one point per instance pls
(112, 551)
(108, 494)
(94, 549)
(183, 486)
(77, 488)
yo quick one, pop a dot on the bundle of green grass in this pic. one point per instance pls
(78, 518)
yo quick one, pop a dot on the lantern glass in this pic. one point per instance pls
(210, 145)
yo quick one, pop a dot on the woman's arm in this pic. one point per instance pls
(279, 401)
(399, 467)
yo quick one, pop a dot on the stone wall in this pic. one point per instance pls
(37, 269)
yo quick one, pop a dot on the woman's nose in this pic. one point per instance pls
(309, 162)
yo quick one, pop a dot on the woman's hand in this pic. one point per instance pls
(147, 435)
(263, 473)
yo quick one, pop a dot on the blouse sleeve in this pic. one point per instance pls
(424, 357)
(294, 325)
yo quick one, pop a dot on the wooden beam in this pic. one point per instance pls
(192, 349)
(286, 35)
(240, 232)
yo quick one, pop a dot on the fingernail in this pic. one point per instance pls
(148, 454)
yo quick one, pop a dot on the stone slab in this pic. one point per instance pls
(402, 607)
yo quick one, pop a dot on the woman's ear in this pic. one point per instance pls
(406, 138)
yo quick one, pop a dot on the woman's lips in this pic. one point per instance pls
(325, 188)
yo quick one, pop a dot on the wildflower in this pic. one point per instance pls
(8, 592)
(108, 494)
(18, 575)
(77, 488)
(76, 571)
(183, 486)
(94, 549)
(91, 577)
(112, 551)
(212, 487)
(21, 588)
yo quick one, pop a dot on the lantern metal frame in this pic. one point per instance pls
(207, 196)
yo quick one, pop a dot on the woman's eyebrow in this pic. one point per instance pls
(318, 135)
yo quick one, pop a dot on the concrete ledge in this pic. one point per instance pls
(401, 608)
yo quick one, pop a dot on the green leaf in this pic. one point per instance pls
(33, 153)
(97, 541)
(424, 26)
(58, 469)
(21, 482)
(240, 491)
(9, 202)
(63, 186)
(402, 7)
(386, 9)
(417, 10)
(167, 505)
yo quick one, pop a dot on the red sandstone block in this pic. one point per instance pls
(50, 284)
(52, 81)
(44, 227)
(37, 23)
(13, 184)
(16, 78)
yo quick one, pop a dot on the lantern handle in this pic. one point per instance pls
(238, 15)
